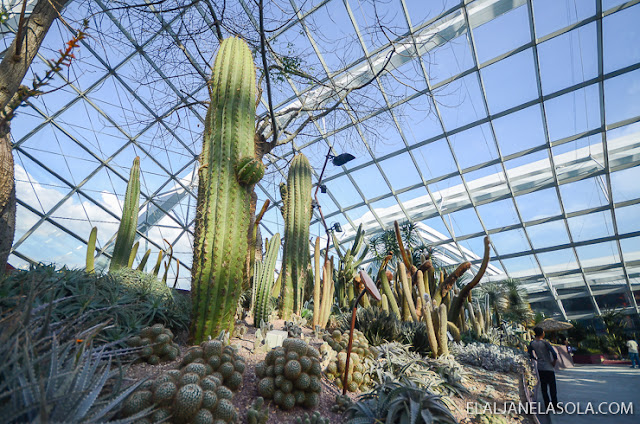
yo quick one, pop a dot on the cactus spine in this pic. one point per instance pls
(297, 209)
(91, 249)
(222, 215)
(263, 281)
(129, 221)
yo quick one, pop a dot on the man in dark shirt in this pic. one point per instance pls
(546, 358)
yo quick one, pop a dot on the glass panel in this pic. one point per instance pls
(460, 102)
(512, 241)
(598, 254)
(558, 260)
(502, 34)
(582, 195)
(510, 82)
(548, 234)
(344, 192)
(400, 171)
(630, 248)
(620, 97)
(464, 222)
(568, 59)
(370, 181)
(624, 184)
(551, 15)
(520, 130)
(448, 60)
(498, 214)
(585, 112)
(539, 204)
(435, 159)
(591, 226)
(474, 146)
(621, 40)
(613, 300)
(627, 218)
(418, 120)
(421, 12)
(524, 266)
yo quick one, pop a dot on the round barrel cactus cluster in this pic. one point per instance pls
(222, 362)
(360, 345)
(156, 343)
(290, 375)
(315, 418)
(183, 396)
(358, 378)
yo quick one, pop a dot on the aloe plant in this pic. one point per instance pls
(228, 171)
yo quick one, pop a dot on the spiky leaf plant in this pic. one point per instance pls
(128, 221)
(392, 402)
(51, 371)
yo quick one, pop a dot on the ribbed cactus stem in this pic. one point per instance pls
(443, 346)
(295, 258)
(226, 177)
(263, 281)
(91, 249)
(426, 314)
(408, 296)
(386, 288)
(454, 330)
(317, 285)
(129, 221)
(385, 303)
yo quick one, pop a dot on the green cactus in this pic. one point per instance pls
(258, 413)
(295, 260)
(263, 281)
(290, 375)
(224, 192)
(129, 221)
(156, 343)
(144, 260)
(315, 418)
(91, 250)
(317, 285)
(348, 264)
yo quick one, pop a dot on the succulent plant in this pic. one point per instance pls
(156, 343)
(296, 198)
(358, 377)
(292, 329)
(315, 418)
(290, 375)
(222, 362)
(263, 281)
(490, 419)
(343, 402)
(258, 413)
(226, 175)
(339, 340)
(129, 220)
(490, 357)
(392, 402)
(186, 396)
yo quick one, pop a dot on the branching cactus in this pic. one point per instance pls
(129, 221)
(297, 211)
(228, 171)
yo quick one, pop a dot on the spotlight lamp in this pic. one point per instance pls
(336, 227)
(342, 159)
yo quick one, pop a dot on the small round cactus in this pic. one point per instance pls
(156, 343)
(290, 375)
(187, 396)
(217, 360)
(258, 413)
(315, 418)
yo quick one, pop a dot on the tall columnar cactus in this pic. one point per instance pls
(228, 171)
(129, 221)
(91, 250)
(297, 210)
(263, 281)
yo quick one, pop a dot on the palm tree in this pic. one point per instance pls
(508, 299)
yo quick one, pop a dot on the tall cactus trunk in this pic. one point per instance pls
(91, 250)
(129, 221)
(228, 171)
(297, 210)
(263, 281)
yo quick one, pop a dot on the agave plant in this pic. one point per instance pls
(392, 402)
(51, 372)
(377, 325)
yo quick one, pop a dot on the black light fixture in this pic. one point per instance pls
(336, 227)
(342, 159)
(338, 160)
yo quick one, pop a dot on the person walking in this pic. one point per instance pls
(633, 353)
(546, 359)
